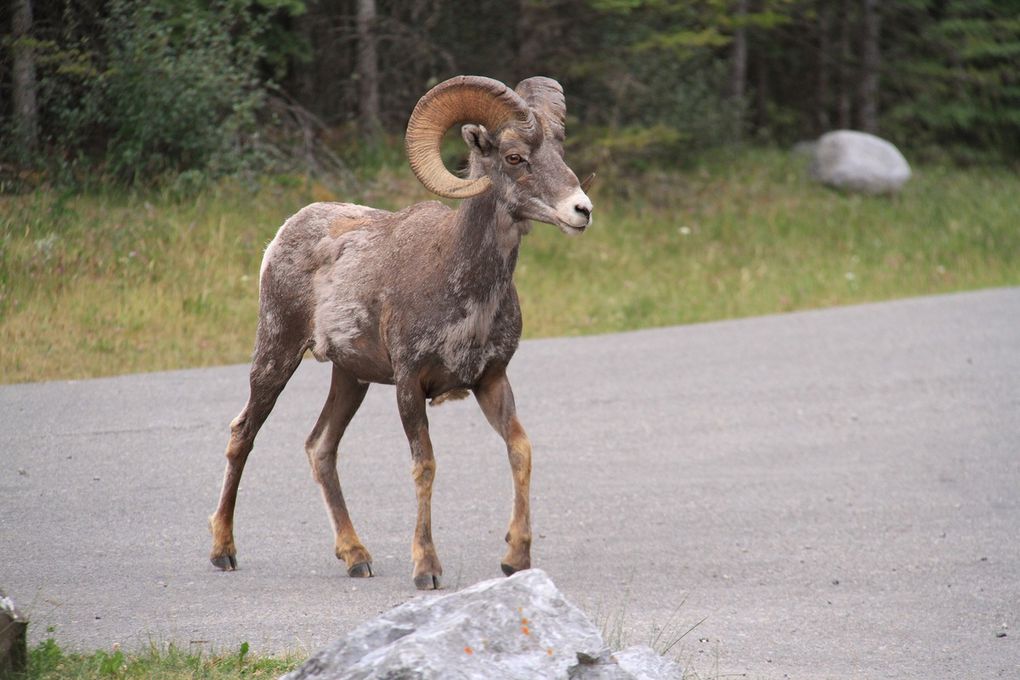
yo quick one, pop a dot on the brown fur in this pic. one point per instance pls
(342, 225)
(422, 299)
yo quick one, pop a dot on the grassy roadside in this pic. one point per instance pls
(109, 283)
(755, 236)
(47, 661)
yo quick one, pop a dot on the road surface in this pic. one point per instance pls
(832, 494)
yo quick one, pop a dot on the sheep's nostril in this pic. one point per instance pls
(584, 210)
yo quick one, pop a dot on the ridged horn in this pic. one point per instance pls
(545, 96)
(462, 99)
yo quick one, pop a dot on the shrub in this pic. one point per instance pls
(179, 93)
(144, 90)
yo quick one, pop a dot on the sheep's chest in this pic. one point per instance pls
(470, 337)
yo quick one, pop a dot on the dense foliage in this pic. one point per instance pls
(138, 89)
(958, 78)
(142, 90)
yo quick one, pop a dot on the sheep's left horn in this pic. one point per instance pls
(545, 96)
(462, 99)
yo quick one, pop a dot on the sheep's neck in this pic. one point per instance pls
(488, 238)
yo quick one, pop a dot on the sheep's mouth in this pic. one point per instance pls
(570, 229)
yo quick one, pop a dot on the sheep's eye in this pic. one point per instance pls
(514, 159)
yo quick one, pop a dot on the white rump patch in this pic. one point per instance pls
(269, 253)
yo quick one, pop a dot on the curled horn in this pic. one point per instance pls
(545, 96)
(462, 99)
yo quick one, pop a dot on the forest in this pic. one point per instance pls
(135, 91)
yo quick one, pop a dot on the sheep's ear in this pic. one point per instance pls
(477, 137)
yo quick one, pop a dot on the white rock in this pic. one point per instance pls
(644, 663)
(517, 627)
(858, 161)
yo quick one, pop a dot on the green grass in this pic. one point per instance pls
(106, 283)
(755, 236)
(47, 661)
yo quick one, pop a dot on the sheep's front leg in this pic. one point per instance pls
(411, 403)
(497, 402)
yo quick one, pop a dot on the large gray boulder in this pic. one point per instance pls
(518, 627)
(858, 161)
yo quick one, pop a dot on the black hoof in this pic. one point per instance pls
(360, 570)
(224, 562)
(507, 569)
(427, 582)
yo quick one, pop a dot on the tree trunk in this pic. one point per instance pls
(367, 70)
(845, 57)
(26, 115)
(13, 639)
(870, 64)
(822, 85)
(761, 89)
(738, 53)
(738, 67)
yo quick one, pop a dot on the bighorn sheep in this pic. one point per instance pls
(422, 299)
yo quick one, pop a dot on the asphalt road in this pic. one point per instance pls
(836, 493)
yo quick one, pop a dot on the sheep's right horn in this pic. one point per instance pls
(462, 99)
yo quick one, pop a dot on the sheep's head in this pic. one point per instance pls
(516, 143)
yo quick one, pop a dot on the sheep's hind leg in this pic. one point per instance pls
(345, 396)
(411, 403)
(271, 368)
(497, 402)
